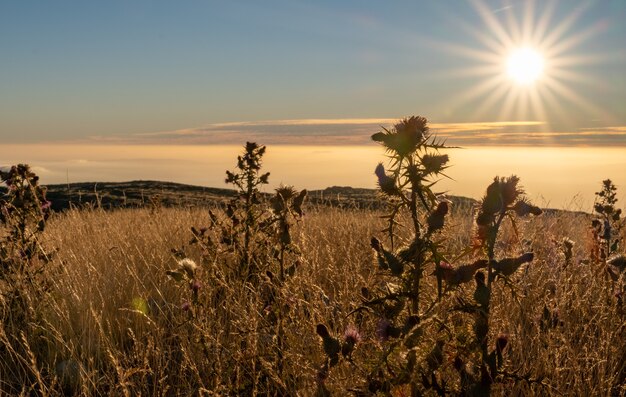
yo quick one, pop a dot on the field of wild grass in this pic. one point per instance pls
(113, 323)
(269, 296)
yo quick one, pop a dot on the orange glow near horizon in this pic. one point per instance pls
(559, 177)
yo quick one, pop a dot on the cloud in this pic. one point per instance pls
(358, 131)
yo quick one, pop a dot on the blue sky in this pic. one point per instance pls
(135, 70)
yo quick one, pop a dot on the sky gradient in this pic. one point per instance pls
(205, 72)
(125, 90)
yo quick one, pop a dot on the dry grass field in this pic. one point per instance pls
(111, 322)
(268, 295)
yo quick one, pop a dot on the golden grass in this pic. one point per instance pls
(112, 323)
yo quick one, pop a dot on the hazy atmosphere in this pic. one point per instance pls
(313, 198)
(95, 80)
(105, 83)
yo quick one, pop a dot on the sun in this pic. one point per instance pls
(525, 65)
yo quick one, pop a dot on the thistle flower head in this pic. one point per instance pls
(510, 189)
(195, 286)
(286, 192)
(351, 335)
(282, 197)
(375, 244)
(322, 331)
(501, 193)
(46, 205)
(406, 136)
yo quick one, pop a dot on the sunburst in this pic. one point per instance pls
(525, 63)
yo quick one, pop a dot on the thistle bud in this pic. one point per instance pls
(523, 208)
(434, 164)
(375, 244)
(322, 331)
(386, 183)
(501, 342)
(436, 218)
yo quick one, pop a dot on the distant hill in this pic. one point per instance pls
(111, 195)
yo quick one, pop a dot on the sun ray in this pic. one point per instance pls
(572, 41)
(507, 106)
(477, 91)
(471, 71)
(561, 29)
(515, 32)
(570, 95)
(528, 23)
(537, 107)
(495, 26)
(492, 98)
(488, 40)
(541, 26)
(523, 63)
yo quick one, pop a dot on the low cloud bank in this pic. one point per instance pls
(357, 132)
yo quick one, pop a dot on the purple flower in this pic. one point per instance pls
(352, 335)
(185, 306)
(195, 285)
(382, 329)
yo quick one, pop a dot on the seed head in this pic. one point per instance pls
(188, 265)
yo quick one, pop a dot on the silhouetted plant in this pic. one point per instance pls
(244, 211)
(414, 167)
(257, 232)
(503, 200)
(567, 249)
(606, 227)
(286, 205)
(23, 214)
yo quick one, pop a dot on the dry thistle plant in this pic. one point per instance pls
(606, 230)
(23, 277)
(503, 200)
(244, 211)
(398, 305)
(256, 234)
